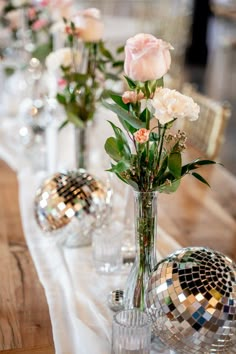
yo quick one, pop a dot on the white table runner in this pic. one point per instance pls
(76, 294)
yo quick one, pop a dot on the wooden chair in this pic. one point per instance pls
(207, 133)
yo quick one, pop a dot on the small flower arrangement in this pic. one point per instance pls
(28, 21)
(146, 154)
(84, 67)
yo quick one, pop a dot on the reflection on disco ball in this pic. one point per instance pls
(191, 298)
(71, 204)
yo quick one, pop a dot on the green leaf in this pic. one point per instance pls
(120, 49)
(162, 169)
(9, 71)
(118, 63)
(195, 165)
(144, 115)
(74, 119)
(63, 124)
(77, 77)
(121, 166)
(131, 83)
(160, 82)
(61, 99)
(42, 51)
(111, 149)
(124, 115)
(175, 164)
(154, 137)
(122, 142)
(118, 99)
(200, 178)
(104, 51)
(132, 184)
(169, 188)
(111, 76)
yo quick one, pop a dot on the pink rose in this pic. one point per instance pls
(88, 25)
(37, 25)
(62, 83)
(32, 13)
(132, 97)
(142, 135)
(146, 57)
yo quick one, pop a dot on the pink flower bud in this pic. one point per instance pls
(132, 97)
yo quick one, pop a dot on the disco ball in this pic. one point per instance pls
(191, 299)
(70, 205)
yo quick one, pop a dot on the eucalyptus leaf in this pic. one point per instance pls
(121, 166)
(122, 142)
(124, 115)
(111, 149)
(118, 99)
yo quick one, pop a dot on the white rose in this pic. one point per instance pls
(19, 3)
(60, 57)
(169, 104)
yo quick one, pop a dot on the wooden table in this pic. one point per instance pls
(24, 318)
(194, 215)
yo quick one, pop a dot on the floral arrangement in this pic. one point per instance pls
(29, 21)
(84, 67)
(146, 154)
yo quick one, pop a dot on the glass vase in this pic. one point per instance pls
(145, 219)
(81, 153)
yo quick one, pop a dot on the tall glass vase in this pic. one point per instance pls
(145, 216)
(81, 153)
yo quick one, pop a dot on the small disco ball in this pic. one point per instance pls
(71, 204)
(191, 299)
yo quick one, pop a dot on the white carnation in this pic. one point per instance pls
(61, 57)
(170, 104)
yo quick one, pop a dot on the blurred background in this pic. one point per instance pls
(203, 34)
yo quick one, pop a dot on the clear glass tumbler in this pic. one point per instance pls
(131, 332)
(106, 245)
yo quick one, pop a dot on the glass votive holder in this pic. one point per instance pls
(106, 246)
(131, 332)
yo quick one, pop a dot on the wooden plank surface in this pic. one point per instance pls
(195, 216)
(24, 317)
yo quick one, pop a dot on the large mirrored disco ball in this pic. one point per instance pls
(70, 205)
(191, 298)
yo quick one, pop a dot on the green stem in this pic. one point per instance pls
(161, 145)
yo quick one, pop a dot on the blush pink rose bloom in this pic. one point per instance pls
(88, 25)
(142, 135)
(132, 97)
(146, 57)
(40, 23)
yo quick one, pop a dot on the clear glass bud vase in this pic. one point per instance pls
(145, 217)
(81, 153)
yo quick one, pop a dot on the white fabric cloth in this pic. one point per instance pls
(76, 294)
